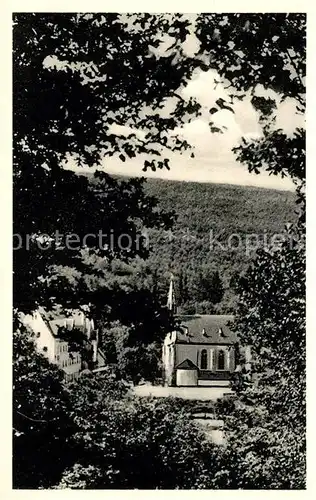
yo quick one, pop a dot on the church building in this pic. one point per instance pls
(201, 351)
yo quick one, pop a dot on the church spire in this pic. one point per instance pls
(171, 302)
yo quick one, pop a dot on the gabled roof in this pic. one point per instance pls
(205, 329)
(187, 364)
(55, 324)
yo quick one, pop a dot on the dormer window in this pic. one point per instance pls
(221, 333)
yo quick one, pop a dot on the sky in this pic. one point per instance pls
(214, 160)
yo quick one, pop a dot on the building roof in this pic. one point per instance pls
(187, 364)
(205, 329)
(171, 302)
(55, 319)
(55, 325)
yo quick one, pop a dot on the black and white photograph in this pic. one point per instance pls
(158, 250)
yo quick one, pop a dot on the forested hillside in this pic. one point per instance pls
(215, 232)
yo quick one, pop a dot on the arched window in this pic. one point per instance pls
(203, 361)
(221, 360)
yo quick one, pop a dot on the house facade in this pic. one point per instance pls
(201, 352)
(47, 327)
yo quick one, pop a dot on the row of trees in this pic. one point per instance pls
(71, 83)
(200, 284)
(206, 285)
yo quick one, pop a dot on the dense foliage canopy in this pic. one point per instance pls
(266, 425)
(75, 76)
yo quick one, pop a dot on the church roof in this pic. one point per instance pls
(187, 364)
(205, 329)
(171, 302)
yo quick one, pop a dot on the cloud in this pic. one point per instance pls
(125, 131)
(214, 160)
(204, 87)
(287, 117)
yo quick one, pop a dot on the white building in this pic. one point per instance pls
(47, 328)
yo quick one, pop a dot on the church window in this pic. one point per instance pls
(203, 362)
(221, 360)
(211, 359)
